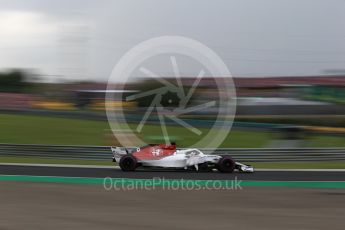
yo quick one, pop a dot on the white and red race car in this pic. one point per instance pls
(167, 156)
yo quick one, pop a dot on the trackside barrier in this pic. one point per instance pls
(74, 152)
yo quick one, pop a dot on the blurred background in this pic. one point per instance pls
(287, 62)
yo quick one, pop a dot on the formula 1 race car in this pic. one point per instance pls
(167, 156)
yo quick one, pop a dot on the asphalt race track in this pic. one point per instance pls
(69, 206)
(27, 204)
(148, 174)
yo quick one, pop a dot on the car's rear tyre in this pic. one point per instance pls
(226, 165)
(128, 163)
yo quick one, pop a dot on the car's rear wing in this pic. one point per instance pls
(118, 152)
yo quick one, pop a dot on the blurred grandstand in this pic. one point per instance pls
(298, 95)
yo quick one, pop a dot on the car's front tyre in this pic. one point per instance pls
(226, 165)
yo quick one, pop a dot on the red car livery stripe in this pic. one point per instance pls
(155, 152)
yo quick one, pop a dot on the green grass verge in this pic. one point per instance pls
(37, 160)
(236, 138)
(326, 141)
(128, 184)
(25, 129)
(301, 165)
